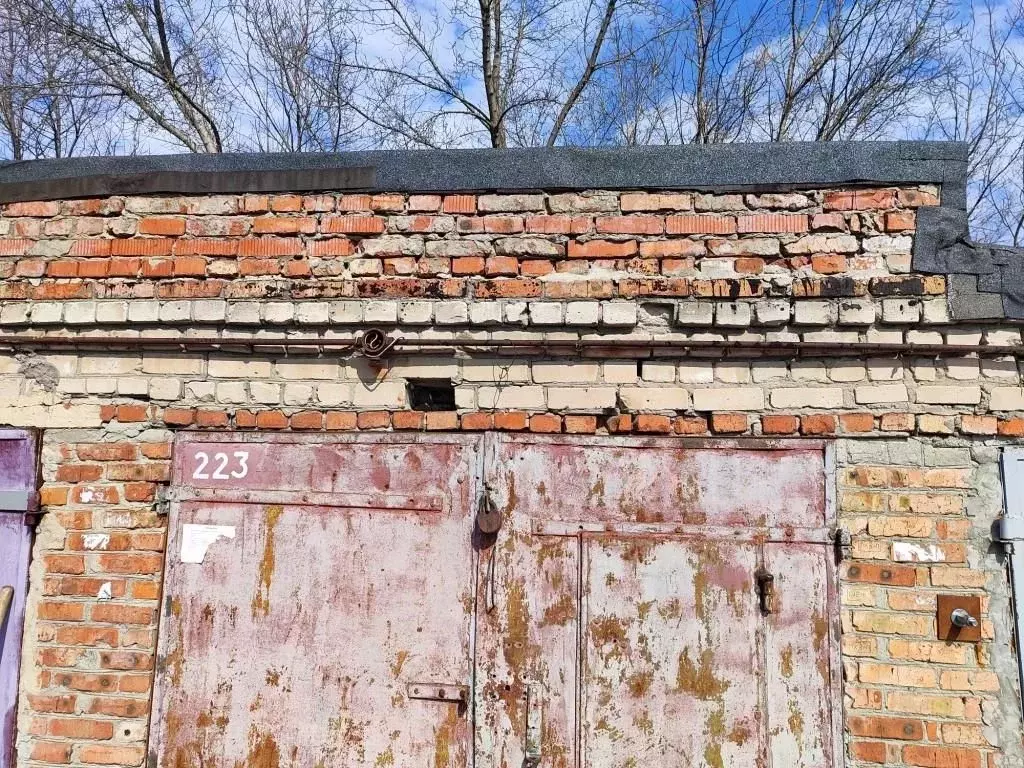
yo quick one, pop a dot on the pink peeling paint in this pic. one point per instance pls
(346, 613)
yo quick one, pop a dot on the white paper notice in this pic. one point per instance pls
(196, 539)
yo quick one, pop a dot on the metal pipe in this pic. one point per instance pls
(511, 346)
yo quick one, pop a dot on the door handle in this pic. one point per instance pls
(6, 598)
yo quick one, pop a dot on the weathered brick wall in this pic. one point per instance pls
(917, 434)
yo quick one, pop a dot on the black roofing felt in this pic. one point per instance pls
(719, 167)
(985, 282)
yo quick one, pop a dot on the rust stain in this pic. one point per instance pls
(639, 684)
(560, 613)
(273, 677)
(385, 758)
(715, 732)
(513, 499)
(740, 734)
(596, 494)
(795, 720)
(445, 740)
(261, 600)
(263, 752)
(787, 661)
(400, 659)
(639, 552)
(699, 680)
(609, 630)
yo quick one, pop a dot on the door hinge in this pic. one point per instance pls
(534, 726)
(163, 500)
(841, 543)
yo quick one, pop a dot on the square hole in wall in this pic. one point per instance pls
(431, 395)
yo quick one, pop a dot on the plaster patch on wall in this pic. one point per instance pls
(96, 540)
(908, 552)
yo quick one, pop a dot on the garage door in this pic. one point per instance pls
(333, 602)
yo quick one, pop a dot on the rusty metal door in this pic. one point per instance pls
(648, 601)
(318, 603)
(18, 472)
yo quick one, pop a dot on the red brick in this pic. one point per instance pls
(468, 265)
(772, 223)
(286, 203)
(509, 288)
(95, 754)
(978, 425)
(857, 422)
(646, 422)
(51, 496)
(356, 225)
(111, 613)
(545, 422)
(407, 420)
(630, 225)
(536, 267)
(87, 635)
(94, 268)
(477, 421)
(779, 425)
(139, 491)
(690, 425)
(78, 473)
(130, 564)
(828, 263)
(51, 752)
(61, 611)
(868, 751)
(307, 420)
(915, 198)
(898, 728)
(209, 418)
(749, 266)
(700, 224)
(501, 265)
(73, 564)
(602, 249)
(138, 246)
(132, 413)
(373, 420)
(891, 575)
(81, 728)
(580, 424)
(62, 268)
(897, 422)
(459, 204)
(900, 221)
(510, 420)
(169, 226)
(818, 424)
(39, 209)
(618, 423)
(559, 225)
(118, 707)
(179, 416)
(728, 423)
(941, 757)
(127, 661)
(340, 420)
(441, 420)
(1011, 427)
(335, 246)
(271, 420)
(860, 200)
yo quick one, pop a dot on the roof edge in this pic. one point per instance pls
(719, 167)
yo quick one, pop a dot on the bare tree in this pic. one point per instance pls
(511, 70)
(161, 56)
(293, 74)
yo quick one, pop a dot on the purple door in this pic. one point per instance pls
(17, 500)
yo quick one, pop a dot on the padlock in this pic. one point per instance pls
(488, 517)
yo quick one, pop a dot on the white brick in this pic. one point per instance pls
(1007, 399)
(870, 394)
(172, 364)
(103, 386)
(773, 311)
(279, 312)
(411, 312)
(856, 312)
(363, 267)
(244, 313)
(732, 372)
(936, 311)
(209, 310)
(847, 371)
(949, 395)
(312, 313)
(545, 313)
(696, 372)
(342, 312)
(510, 203)
(729, 399)
(516, 312)
(887, 244)
(201, 390)
(112, 364)
(581, 398)
(46, 312)
(485, 313)
(582, 312)
(694, 313)
(265, 392)
(451, 313)
(334, 394)
(808, 370)
(619, 313)
(901, 310)
(654, 398)
(133, 387)
(80, 312)
(232, 392)
(824, 244)
(306, 369)
(465, 398)
(221, 368)
(619, 371)
(813, 313)
(924, 337)
(496, 371)
(962, 368)
(565, 372)
(529, 397)
(663, 371)
(381, 394)
(380, 311)
(999, 368)
(732, 314)
(298, 394)
(1002, 337)
(807, 397)
(164, 389)
(885, 369)
(17, 314)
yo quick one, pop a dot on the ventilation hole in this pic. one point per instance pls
(432, 395)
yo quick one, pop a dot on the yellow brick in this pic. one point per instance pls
(947, 478)
(925, 704)
(865, 698)
(862, 502)
(859, 594)
(859, 645)
(869, 549)
(961, 733)
(964, 578)
(912, 527)
(969, 680)
(886, 623)
(920, 650)
(911, 600)
(895, 674)
(926, 504)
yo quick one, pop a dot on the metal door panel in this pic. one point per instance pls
(620, 480)
(18, 473)
(670, 653)
(797, 668)
(306, 633)
(526, 649)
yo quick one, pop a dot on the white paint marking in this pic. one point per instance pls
(96, 540)
(105, 592)
(87, 495)
(907, 552)
(196, 539)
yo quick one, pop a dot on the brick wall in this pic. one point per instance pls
(917, 434)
